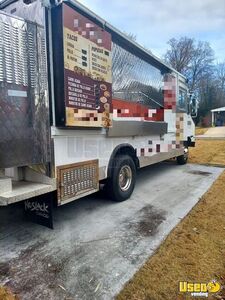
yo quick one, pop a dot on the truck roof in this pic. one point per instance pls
(116, 34)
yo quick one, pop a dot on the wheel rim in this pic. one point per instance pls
(125, 178)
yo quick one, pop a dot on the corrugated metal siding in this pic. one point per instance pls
(24, 109)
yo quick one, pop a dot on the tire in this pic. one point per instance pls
(121, 183)
(182, 159)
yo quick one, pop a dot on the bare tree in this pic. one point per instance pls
(191, 58)
(211, 91)
(195, 60)
(180, 54)
(220, 73)
(201, 64)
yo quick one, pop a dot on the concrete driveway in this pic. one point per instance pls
(213, 133)
(97, 245)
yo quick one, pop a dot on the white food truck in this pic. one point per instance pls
(81, 104)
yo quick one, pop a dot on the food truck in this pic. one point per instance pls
(82, 104)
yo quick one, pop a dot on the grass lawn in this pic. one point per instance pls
(5, 294)
(208, 152)
(200, 130)
(195, 249)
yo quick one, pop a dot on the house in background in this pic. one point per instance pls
(218, 116)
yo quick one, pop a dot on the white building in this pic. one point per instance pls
(218, 116)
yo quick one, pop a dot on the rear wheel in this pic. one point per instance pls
(121, 183)
(182, 159)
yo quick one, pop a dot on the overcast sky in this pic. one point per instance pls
(154, 22)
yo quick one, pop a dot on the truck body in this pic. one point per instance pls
(81, 103)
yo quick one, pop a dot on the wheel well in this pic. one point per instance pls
(123, 149)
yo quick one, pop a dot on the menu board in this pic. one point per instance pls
(87, 71)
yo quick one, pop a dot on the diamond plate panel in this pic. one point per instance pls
(24, 111)
(134, 79)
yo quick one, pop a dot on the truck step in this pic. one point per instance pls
(22, 190)
(5, 185)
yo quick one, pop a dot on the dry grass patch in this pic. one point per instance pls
(5, 294)
(208, 152)
(194, 251)
(201, 130)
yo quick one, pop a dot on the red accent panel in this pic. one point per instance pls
(136, 110)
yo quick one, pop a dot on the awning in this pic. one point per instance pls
(218, 109)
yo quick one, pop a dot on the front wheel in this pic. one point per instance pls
(121, 183)
(182, 159)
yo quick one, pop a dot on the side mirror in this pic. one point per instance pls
(193, 107)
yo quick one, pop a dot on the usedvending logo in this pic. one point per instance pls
(198, 289)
